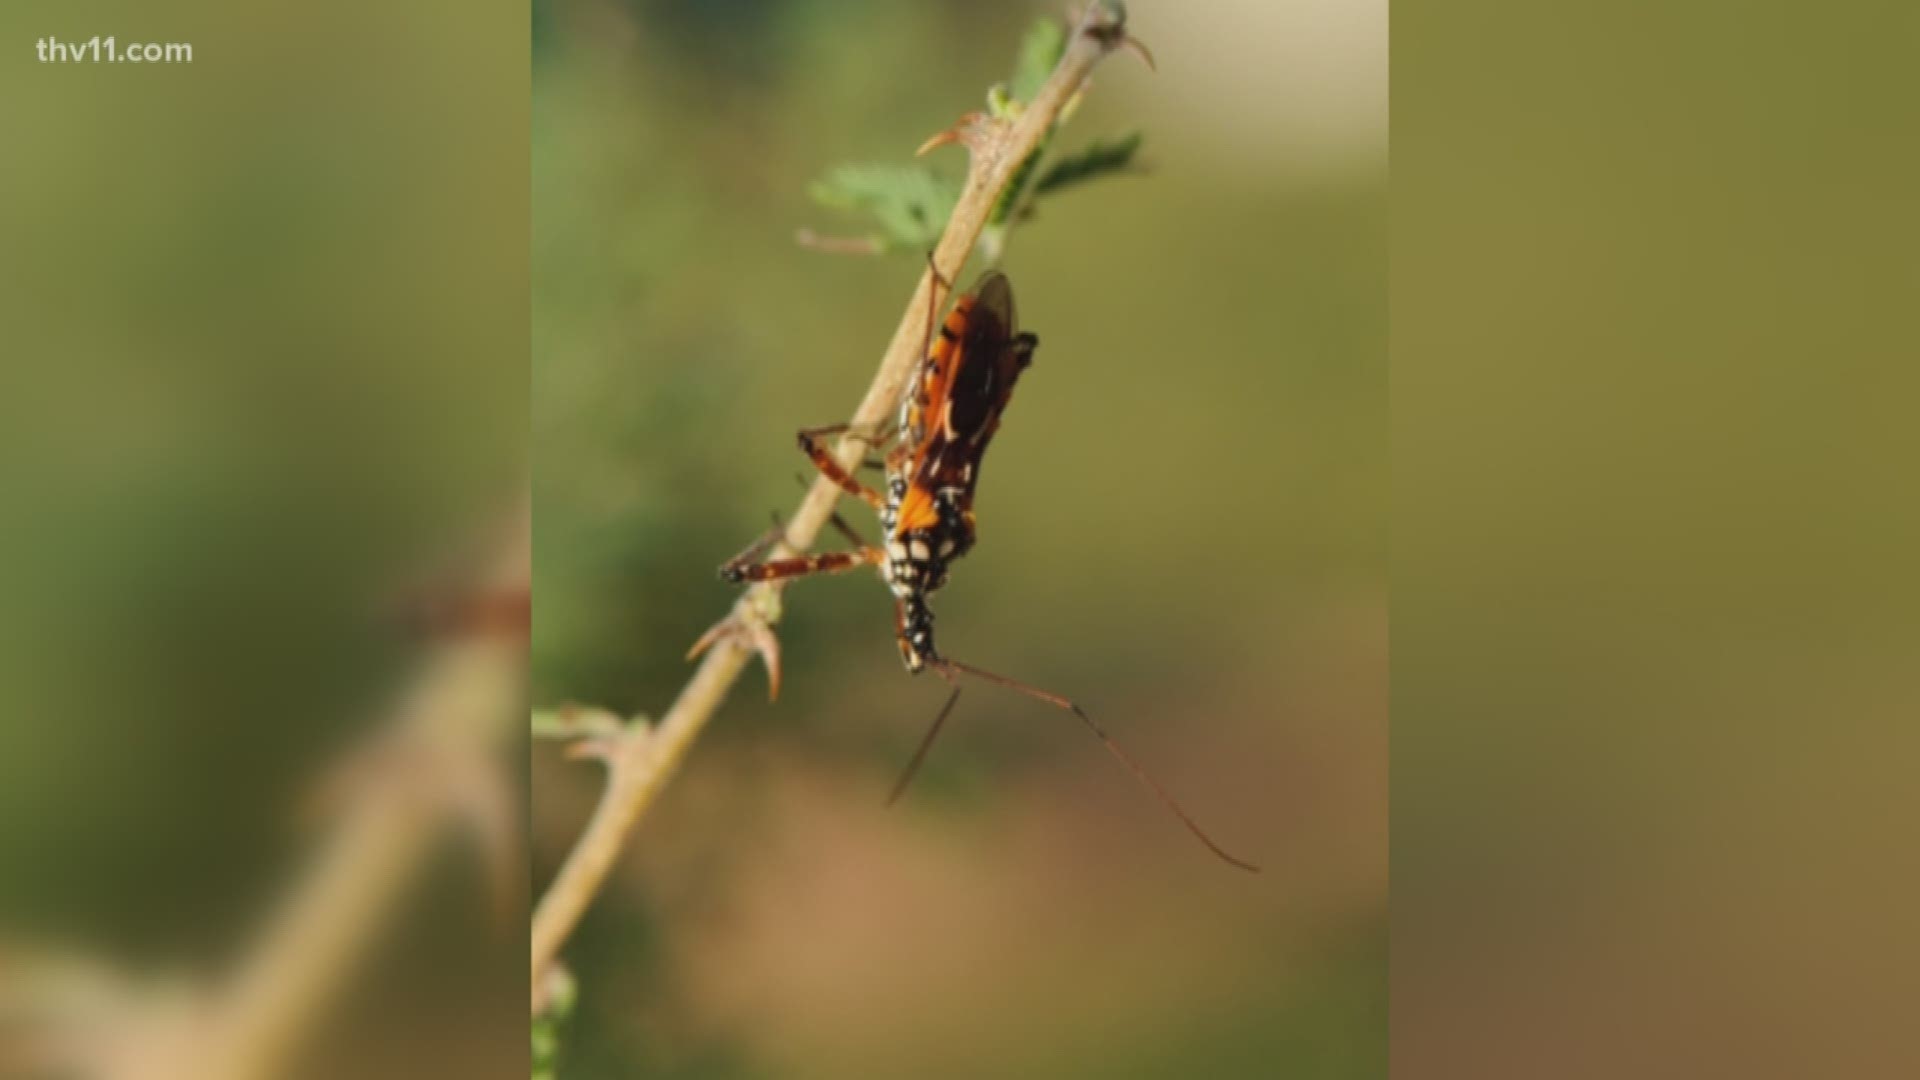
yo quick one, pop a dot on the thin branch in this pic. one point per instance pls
(642, 767)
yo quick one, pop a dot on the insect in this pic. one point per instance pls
(947, 419)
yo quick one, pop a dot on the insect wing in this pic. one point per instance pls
(968, 382)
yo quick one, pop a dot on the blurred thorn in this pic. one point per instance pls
(714, 633)
(572, 721)
(606, 746)
(463, 783)
(839, 245)
(936, 141)
(601, 748)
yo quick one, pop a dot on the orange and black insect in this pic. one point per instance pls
(948, 418)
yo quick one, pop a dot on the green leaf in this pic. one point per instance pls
(1104, 157)
(1040, 52)
(910, 203)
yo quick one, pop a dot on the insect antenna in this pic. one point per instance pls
(920, 752)
(948, 668)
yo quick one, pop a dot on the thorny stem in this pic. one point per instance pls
(641, 766)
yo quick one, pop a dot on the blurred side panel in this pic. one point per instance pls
(1654, 638)
(263, 401)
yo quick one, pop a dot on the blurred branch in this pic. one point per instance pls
(997, 145)
(436, 761)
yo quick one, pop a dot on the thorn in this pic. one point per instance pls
(714, 633)
(970, 131)
(768, 646)
(936, 142)
(1140, 48)
(602, 748)
(757, 634)
(596, 734)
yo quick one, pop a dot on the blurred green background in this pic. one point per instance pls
(1654, 529)
(263, 379)
(1183, 526)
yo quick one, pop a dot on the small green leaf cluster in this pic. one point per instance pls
(908, 205)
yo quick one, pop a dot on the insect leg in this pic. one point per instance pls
(830, 467)
(826, 562)
(746, 567)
